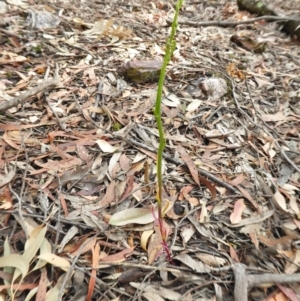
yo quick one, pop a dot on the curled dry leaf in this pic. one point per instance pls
(211, 260)
(144, 238)
(105, 146)
(55, 261)
(280, 200)
(140, 216)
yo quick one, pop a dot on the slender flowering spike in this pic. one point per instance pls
(170, 47)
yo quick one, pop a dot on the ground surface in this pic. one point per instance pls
(83, 146)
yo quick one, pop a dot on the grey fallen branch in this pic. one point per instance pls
(34, 91)
(244, 282)
(233, 24)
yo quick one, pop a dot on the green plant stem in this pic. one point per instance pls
(170, 46)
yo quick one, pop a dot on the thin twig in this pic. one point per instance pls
(255, 280)
(241, 284)
(233, 24)
(34, 91)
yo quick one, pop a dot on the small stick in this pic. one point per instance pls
(233, 24)
(34, 91)
(244, 282)
(241, 283)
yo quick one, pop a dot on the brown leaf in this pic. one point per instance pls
(128, 190)
(292, 266)
(118, 257)
(136, 167)
(210, 186)
(124, 162)
(237, 180)
(233, 254)
(188, 160)
(247, 195)
(284, 241)
(109, 195)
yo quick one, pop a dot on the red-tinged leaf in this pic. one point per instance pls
(63, 204)
(233, 254)
(42, 288)
(274, 117)
(188, 160)
(128, 190)
(95, 253)
(118, 257)
(148, 153)
(52, 135)
(82, 151)
(288, 292)
(247, 195)
(237, 180)
(15, 42)
(283, 241)
(8, 127)
(210, 186)
(88, 244)
(6, 202)
(184, 191)
(136, 167)
(109, 195)
(253, 238)
(236, 215)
